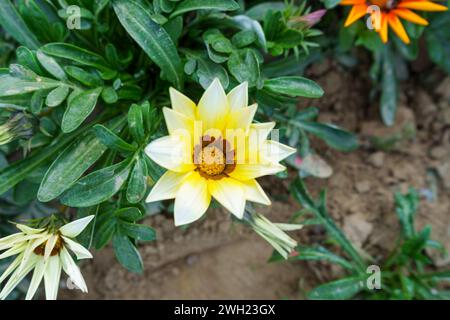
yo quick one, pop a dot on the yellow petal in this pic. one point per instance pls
(410, 16)
(254, 192)
(230, 193)
(182, 104)
(241, 118)
(257, 134)
(172, 152)
(178, 123)
(351, 2)
(274, 151)
(167, 186)
(383, 32)
(357, 12)
(213, 107)
(251, 171)
(422, 5)
(238, 97)
(192, 200)
(397, 26)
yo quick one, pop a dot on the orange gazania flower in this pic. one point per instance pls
(390, 13)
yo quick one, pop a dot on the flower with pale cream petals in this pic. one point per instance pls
(214, 150)
(46, 251)
(389, 14)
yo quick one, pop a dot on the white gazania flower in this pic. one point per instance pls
(46, 251)
(214, 149)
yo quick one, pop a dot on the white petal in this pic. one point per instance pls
(31, 246)
(80, 251)
(74, 228)
(11, 268)
(52, 275)
(254, 192)
(38, 274)
(50, 245)
(241, 118)
(167, 186)
(192, 200)
(17, 277)
(172, 152)
(182, 104)
(13, 251)
(72, 270)
(176, 122)
(27, 229)
(274, 151)
(245, 172)
(230, 194)
(18, 240)
(257, 134)
(238, 97)
(213, 106)
(11, 239)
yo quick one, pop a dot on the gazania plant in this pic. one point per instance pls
(110, 106)
(395, 32)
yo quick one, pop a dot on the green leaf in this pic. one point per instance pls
(87, 78)
(79, 107)
(137, 186)
(388, 100)
(315, 253)
(76, 54)
(51, 65)
(437, 36)
(57, 96)
(96, 187)
(406, 207)
(341, 289)
(28, 59)
(294, 87)
(331, 3)
(19, 170)
(136, 123)
(193, 5)
(105, 232)
(335, 137)
(137, 231)
(13, 23)
(151, 37)
(244, 66)
(10, 86)
(130, 214)
(127, 254)
(111, 140)
(69, 166)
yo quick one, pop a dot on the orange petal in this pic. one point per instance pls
(410, 16)
(383, 32)
(422, 5)
(351, 2)
(397, 26)
(357, 12)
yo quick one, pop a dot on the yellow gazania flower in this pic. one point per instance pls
(213, 149)
(390, 14)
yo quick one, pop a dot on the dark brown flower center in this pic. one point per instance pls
(214, 158)
(40, 250)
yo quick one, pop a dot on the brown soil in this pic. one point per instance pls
(219, 259)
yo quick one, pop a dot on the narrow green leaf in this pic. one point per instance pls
(57, 96)
(79, 108)
(137, 186)
(13, 23)
(111, 140)
(388, 100)
(341, 289)
(130, 214)
(51, 65)
(69, 166)
(10, 86)
(193, 5)
(151, 37)
(96, 187)
(127, 254)
(294, 86)
(138, 231)
(136, 123)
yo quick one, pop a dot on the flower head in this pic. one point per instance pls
(386, 13)
(16, 127)
(46, 250)
(312, 18)
(214, 150)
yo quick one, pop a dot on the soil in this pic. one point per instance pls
(219, 259)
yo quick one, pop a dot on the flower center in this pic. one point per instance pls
(40, 250)
(214, 158)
